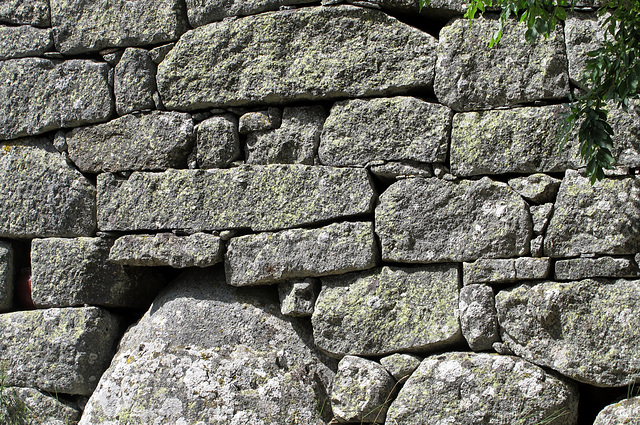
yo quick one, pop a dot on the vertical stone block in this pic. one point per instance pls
(135, 81)
(7, 274)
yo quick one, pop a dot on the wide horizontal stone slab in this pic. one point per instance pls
(581, 268)
(30, 406)
(505, 270)
(201, 12)
(388, 309)
(390, 129)
(432, 220)
(148, 141)
(296, 55)
(41, 194)
(586, 330)
(58, 350)
(269, 197)
(297, 253)
(6, 276)
(23, 41)
(69, 94)
(25, 12)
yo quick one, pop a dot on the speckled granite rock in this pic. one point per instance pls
(400, 366)
(505, 270)
(298, 297)
(581, 268)
(217, 141)
(267, 119)
(540, 216)
(478, 318)
(202, 12)
(626, 127)
(538, 188)
(624, 412)
(6, 276)
(23, 41)
(25, 12)
(30, 406)
(135, 81)
(394, 169)
(583, 33)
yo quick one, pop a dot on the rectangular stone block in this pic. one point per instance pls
(493, 271)
(23, 41)
(582, 268)
(6, 276)
(22, 406)
(25, 12)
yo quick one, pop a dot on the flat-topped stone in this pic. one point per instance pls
(23, 41)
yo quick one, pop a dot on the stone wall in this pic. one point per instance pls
(281, 212)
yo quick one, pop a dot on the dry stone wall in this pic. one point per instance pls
(284, 212)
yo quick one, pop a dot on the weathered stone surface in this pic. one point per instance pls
(6, 276)
(69, 94)
(624, 412)
(505, 270)
(297, 298)
(442, 9)
(598, 219)
(296, 55)
(262, 198)
(361, 391)
(471, 75)
(135, 81)
(400, 366)
(23, 41)
(432, 220)
(540, 215)
(210, 353)
(73, 345)
(202, 12)
(391, 129)
(394, 169)
(157, 54)
(478, 317)
(41, 194)
(217, 141)
(537, 246)
(583, 33)
(626, 128)
(388, 309)
(585, 330)
(29, 406)
(581, 268)
(472, 388)
(538, 188)
(148, 141)
(91, 25)
(268, 119)
(294, 142)
(25, 12)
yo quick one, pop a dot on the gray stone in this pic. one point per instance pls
(538, 188)
(297, 298)
(471, 75)
(361, 391)
(6, 276)
(624, 412)
(598, 219)
(209, 353)
(521, 140)
(90, 25)
(73, 345)
(155, 140)
(586, 330)
(41, 194)
(473, 388)
(390, 129)
(29, 406)
(270, 197)
(505, 270)
(432, 220)
(440, 9)
(540, 215)
(583, 33)
(394, 169)
(167, 249)
(297, 253)
(23, 41)
(268, 119)
(478, 317)
(581, 268)
(537, 246)
(69, 94)
(74, 272)
(25, 12)
(400, 366)
(202, 12)
(294, 55)
(135, 81)
(157, 54)
(294, 142)
(388, 309)
(218, 141)
(626, 128)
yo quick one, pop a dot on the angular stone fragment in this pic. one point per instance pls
(23, 41)
(157, 55)
(90, 25)
(390, 129)
(471, 75)
(388, 309)
(442, 9)
(135, 81)
(25, 12)
(210, 353)
(294, 142)
(298, 298)
(217, 141)
(262, 198)
(537, 246)
(30, 406)
(69, 94)
(167, 249)
(202, 12)
(41, 194)
(432, 220)
(540, 215)
(394, 169)
(538, 188)
(585, 330)
(6, 276)
(296, 55)
(473, 388)
(599, 219)
(624, 412)
(73, 345)
(478, 318)
(505, 270)
(261, 120)
(581, 268)
(361, 391)
(149, 141)
(400, 366)
(297, 253)
(583, 33)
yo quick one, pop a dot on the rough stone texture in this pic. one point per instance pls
(624, 412)
(73, 345)
(23, 41)
(432, 220)
(298, 298)
(90, 25)
(69, 94)
(29, 406)
(149, 141)
(322, 53)
(581, 268)
(505, 270)
(626, 128)
(6, 276)
(262, 198)
(268, 119)
(294, 142)
(583, 34)
(478, 318)
(538, 188)
(540, 215)
(472, 388)
(400, 366)
(167, 249)
(599, 219)
(388, 309)
(218, 141)
(394, 169)
(471, 75)
(135, 81)
(586, 330)
(537, 246)
(202, 12)
(521, 140)
(442, 9)
(25, 12)
(41, 194)
(390, 129)
(361, 391)
(210, 353)
(157, 54)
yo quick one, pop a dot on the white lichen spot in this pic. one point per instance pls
(449, 371)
